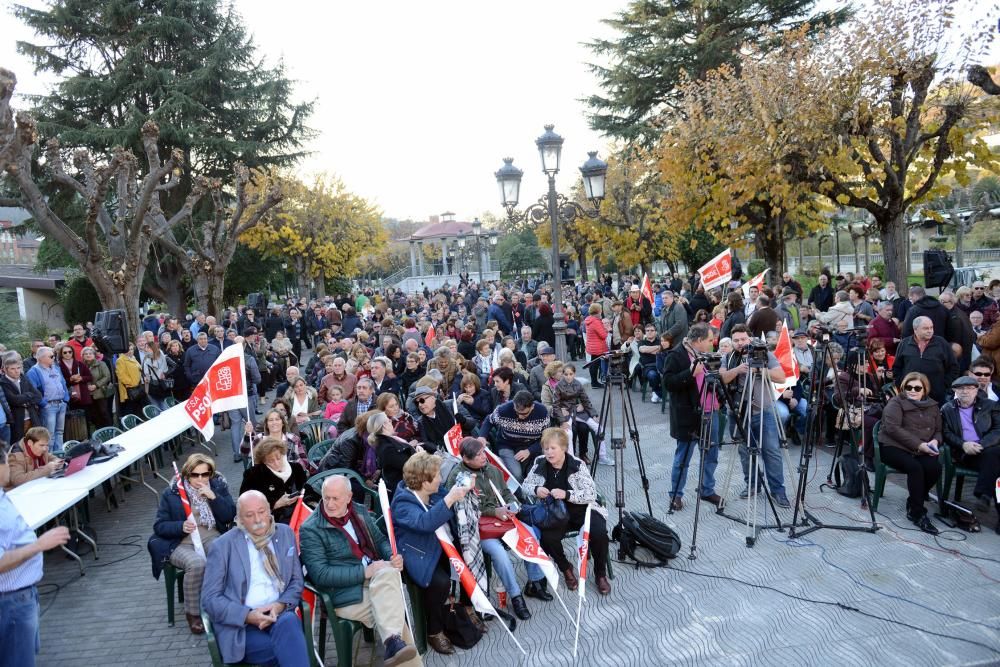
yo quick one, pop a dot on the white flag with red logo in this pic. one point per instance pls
(647, 288)
(453, 439)
(508, 478)
(756, 281)
(786, 357)
(469, 584)
(523, 542)
(390, 531)
(583, 550)
(223, 388)
(429, 338)
(718, 271)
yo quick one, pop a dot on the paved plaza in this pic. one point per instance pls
(820, 600)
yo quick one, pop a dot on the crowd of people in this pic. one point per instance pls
(373, 382)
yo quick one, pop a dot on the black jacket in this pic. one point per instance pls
(958, 329)
(685, 407)
(937, 362)
(23, 402)
(392, 455)
(930, 307)
(822, 297)
(985, 417)
(351, 413)
(541, 329)
(260, 478)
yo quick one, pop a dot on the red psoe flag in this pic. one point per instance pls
(583, 550)
(718, 271)
(647, 288)
(429, 338)
(223, 388)
(786, 357)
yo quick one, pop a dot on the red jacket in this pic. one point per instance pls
(597, 336)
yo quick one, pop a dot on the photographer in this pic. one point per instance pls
(684, 375)
(735, 369)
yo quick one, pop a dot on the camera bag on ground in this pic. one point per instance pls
(847, 473)
(641, 531)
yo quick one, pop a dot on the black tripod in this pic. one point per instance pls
(711, 386)
(757, 402)
(618, 421)
(815, 435)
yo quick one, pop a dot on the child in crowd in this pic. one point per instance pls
(335, 407)
(573, 406)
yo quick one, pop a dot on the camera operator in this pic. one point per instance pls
(734, 373)
(684, 375)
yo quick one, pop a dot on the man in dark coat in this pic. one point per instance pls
(21, 395)
(924, 352)
(925, 306)
(958, 329)
(684, 376)
(970, 423)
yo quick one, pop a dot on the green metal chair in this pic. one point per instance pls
(170, 401)
(951, 472)
(882, 470)
(174, 444)
(173, 578)
(150, 412)
(316, 430)
(371, 495)
(319, 450)
(129, 422)
(103, 435)
(343, 630)
(213, 645)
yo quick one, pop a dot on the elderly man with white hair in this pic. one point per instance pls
(347, 556)
(252, 585)
(48, 380)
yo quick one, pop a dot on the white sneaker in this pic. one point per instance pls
(655, 399)
(605, 461)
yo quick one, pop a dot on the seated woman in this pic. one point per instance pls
(402, 423)
(908, 439)
(505, 359)
(553, 374)
(31, 459)
(304, 403)
(482, 502)
(281, 482)
(275, 426)
(391, 451)
(212, 513)
(419, 507)
(474, 402)
(564, 477)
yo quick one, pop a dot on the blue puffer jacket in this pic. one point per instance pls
(415, 528)
(168, 531)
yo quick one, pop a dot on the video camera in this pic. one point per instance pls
(711, 361)
(756, 353)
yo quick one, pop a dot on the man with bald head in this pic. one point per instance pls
(252, 585)
(347, 556)
(928, 353)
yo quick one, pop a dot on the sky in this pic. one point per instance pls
(417, 103)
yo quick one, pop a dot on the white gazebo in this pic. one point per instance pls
(465, 248)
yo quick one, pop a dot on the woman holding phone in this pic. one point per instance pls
(272, 474)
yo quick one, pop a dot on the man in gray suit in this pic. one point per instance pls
(252, 585)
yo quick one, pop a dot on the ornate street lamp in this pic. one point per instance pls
(477, 230)
(555, 206)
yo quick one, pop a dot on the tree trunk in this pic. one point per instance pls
(868, 256)
(959, 240)
(892, 231)
(216, 281)
(321, 284)
(165, 282)
(302, 270)
(769, 245)
(581, 258)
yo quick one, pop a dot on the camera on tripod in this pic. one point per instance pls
(616, 362)
(711, 361)
(757, 353)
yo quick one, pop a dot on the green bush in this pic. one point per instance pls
(877, 269)
(755, 266)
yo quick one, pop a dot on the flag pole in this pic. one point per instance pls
(579, 607)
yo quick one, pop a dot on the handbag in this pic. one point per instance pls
(135, 393)
(849, 419)
(492, 528)
(546, 514)
(74, 393)
(458, 627)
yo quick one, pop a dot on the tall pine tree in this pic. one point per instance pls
(189, 65)
(661, 41)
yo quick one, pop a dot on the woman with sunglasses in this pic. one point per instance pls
(909, 437)
(78, 378)
(212, 513)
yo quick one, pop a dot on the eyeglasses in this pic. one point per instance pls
(203, 475)
(979, 289)
(421, 400)
(982, 375)
(67, 352)
(914, 387)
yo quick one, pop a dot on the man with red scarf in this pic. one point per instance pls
(347, 556)
(638, 307)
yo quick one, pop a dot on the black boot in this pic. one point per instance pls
(538, 589)
(520, 607)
